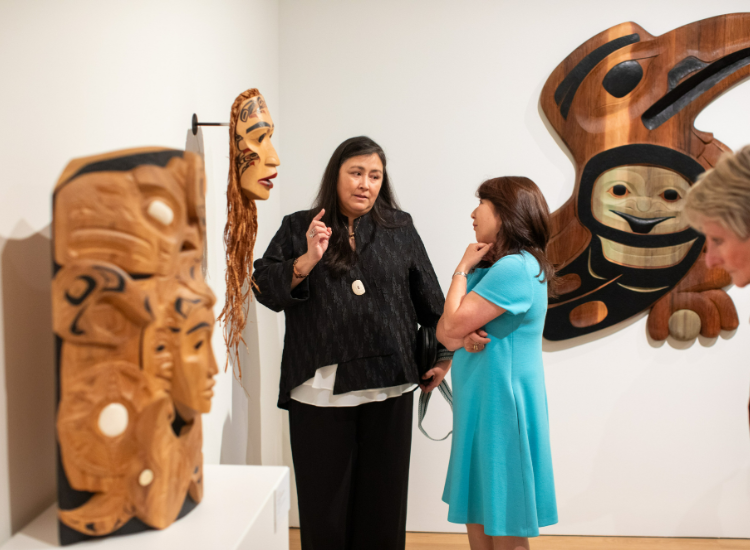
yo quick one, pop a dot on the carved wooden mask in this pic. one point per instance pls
(252, 165)
(255, 159)
(133, 319)
(624, 103)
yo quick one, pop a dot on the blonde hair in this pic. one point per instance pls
(240, 233)
(723, 194)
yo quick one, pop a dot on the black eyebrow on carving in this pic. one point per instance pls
(180, 302)
(198, 326)
(258, 125)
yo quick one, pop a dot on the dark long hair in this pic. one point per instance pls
(340, 257)
(524, 217)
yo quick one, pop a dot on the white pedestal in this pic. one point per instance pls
(243, 508)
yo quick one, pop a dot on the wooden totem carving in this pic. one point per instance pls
(133, 320)
(624, 103)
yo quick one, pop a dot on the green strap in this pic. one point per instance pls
(424, 401)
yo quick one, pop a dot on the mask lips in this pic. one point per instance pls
(641, 226)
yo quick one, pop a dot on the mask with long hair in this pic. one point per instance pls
(252, 166)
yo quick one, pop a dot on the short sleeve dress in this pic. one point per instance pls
(500, 471)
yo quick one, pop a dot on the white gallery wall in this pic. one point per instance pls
(84, 77)
(648, 438)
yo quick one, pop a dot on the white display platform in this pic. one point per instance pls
(243, 508)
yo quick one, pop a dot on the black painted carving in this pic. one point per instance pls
(255, 104)
(568, 87)
(180, 302)
(90, 286)
(124, 164)
(692, 88)
(642, 226)
(685, 67)
(74, 325)
(623, 78)
(608, 282)
(107, 272)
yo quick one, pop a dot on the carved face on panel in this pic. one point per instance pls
(641, 200)
(194, 371)
(255, 157)
(134, 316)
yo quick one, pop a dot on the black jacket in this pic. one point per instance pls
(371, 337)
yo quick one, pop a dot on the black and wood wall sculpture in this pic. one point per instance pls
(133, 319)
(624, 103)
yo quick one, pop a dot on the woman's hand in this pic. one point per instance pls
(437, 373)
(473, 255)
(475, 342)
(318, 236)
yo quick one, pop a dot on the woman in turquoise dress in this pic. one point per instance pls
(500, 481)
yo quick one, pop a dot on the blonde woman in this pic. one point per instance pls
(718, 206)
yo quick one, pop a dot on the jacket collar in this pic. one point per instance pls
(364, 229)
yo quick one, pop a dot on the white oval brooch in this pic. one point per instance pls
(358, 287)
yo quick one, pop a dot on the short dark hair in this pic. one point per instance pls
(524, 217)
(340, 257)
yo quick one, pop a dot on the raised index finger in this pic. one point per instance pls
(319, 214)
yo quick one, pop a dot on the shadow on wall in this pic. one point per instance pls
(251, 385)
(29, 375)
(241, 436)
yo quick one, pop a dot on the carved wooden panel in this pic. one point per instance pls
(624, 103)
(133, 320)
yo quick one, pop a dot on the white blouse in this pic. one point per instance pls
(318, 391)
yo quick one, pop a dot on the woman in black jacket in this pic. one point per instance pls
(354, 280)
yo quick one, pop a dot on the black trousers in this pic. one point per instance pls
(352, 470)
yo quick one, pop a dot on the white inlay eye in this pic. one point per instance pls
(146, 477)
(684, 325)
(113, 420)
(160, 211)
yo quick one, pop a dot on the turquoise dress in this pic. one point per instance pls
(500, 471)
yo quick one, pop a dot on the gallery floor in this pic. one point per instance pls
(440, 541)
